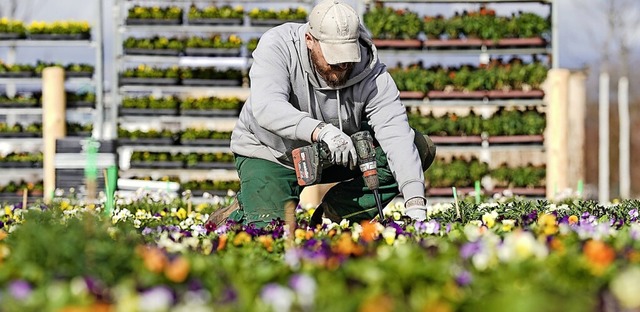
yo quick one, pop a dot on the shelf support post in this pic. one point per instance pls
(53, 123)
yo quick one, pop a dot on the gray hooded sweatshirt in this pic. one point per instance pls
(288, 100)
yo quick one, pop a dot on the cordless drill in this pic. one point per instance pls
(309, 160)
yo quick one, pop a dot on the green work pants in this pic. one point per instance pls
(266, 187)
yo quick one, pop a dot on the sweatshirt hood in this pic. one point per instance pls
(368, 60)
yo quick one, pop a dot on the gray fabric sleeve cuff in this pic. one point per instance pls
(413, 189)
(305, 128)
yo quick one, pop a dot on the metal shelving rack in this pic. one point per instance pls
(12, 115)
(243, 62)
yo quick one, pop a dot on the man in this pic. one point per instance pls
(321, 82)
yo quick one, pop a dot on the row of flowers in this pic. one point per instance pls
(18, 187)
(29, 70)
(193, 46)
(211, 15)
(15, 29)
(35, 129)
(463, 173)
(189, 103)
(157, 253)
(505, 121)
(143, 74)
(35, 99)
(154, 159)
(188, 136)
(497, 75)
(388, 23)
(21, 159)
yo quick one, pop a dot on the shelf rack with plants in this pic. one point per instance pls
(185, 52)
(471, 99)
(20, 100)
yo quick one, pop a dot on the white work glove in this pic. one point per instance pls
(416, 208)
(340, 145)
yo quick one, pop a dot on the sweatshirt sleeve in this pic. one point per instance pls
(270, 89)
(388, 118)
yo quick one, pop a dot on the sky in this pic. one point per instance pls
(581, 34)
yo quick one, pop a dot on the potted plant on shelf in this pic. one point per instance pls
(14, 190)
(205, 137)
(150, 106)
(211, 76)
(523, 180)
(271, 17)
(75, 129)
(12, 29)
(252, 44)
(457, 171)
(210, 106)
(213, 46)
(433, 27)
(78, 70)
(219, 160)
(80, 99)
(160, 160)
(151, 137)
(149, 75)
(411, 80)
(450, 128)
(394, 28)
(158, 45)
(141, 15)
(25, 100)
(513, 126)
(214, 15)
(59, 30)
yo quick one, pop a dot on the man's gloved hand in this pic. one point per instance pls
(416, 208)
(340, 145)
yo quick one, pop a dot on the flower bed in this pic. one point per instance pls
(155, 252)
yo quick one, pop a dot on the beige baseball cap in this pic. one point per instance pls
(336, 26)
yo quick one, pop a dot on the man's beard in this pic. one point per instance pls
(333, 78)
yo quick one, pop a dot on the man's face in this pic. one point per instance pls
(334, 75)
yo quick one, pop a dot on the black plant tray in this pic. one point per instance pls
(148, 21)
(19, 105)
(206, 142)
(211, 82)
(16, 74)
(163, 52)
(10, 36)
(146, 141)
(210, 112)
(148, 81)
(19, 135)
(212, 52)
(70, 74)
(18, 164)
(60, 36)
(212, 165)
(273, 22)
(215, 21)
(157, 164)
(16, 198)
(81, 104)
(148, 112)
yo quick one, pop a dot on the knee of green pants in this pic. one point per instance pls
(426, 149)
(265, 189)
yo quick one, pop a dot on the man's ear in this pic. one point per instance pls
(309, 40)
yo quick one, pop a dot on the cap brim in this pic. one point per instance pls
(336, 53)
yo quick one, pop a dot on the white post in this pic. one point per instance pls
(625, 137)
(603, 135)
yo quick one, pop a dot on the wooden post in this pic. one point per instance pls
(577, 102)
(53, 123)
(556, 133)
